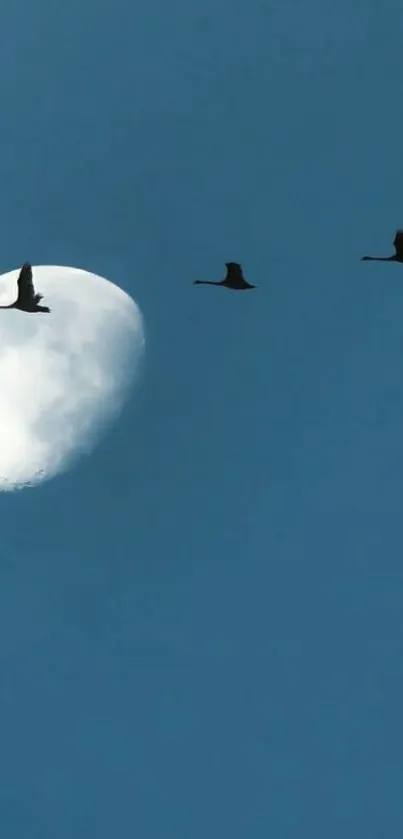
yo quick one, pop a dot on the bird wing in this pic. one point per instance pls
(398, 242)
(26, 291)
(234, 272)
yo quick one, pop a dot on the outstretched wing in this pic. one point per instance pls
(26, 291)
(234, 272)
(398, 242)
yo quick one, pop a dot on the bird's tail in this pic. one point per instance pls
(43, 309)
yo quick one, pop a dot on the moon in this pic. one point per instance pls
(65, 375)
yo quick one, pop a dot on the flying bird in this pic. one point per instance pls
(397, 257)
(234, 279)
(27, 300)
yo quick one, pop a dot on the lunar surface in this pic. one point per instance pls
(65, 375)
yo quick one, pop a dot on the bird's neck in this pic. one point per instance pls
(205, 282)
(381, 258)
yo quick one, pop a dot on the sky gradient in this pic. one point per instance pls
(201, 624)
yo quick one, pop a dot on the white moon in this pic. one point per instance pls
(63, 375)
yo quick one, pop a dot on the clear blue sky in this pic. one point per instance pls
(201, 624)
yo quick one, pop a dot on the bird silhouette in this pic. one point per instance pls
(397, 257)
(234, 279)
(27, 300)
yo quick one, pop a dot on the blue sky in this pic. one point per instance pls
(200, 625)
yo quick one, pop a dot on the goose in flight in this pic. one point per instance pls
(396, 257)
(234, 279)
(27, 300)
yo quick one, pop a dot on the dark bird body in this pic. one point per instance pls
(396, 257)
(27, 300)
(234, 279)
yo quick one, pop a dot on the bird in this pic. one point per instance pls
(27, 300)
(234, 279)
(397, 257)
